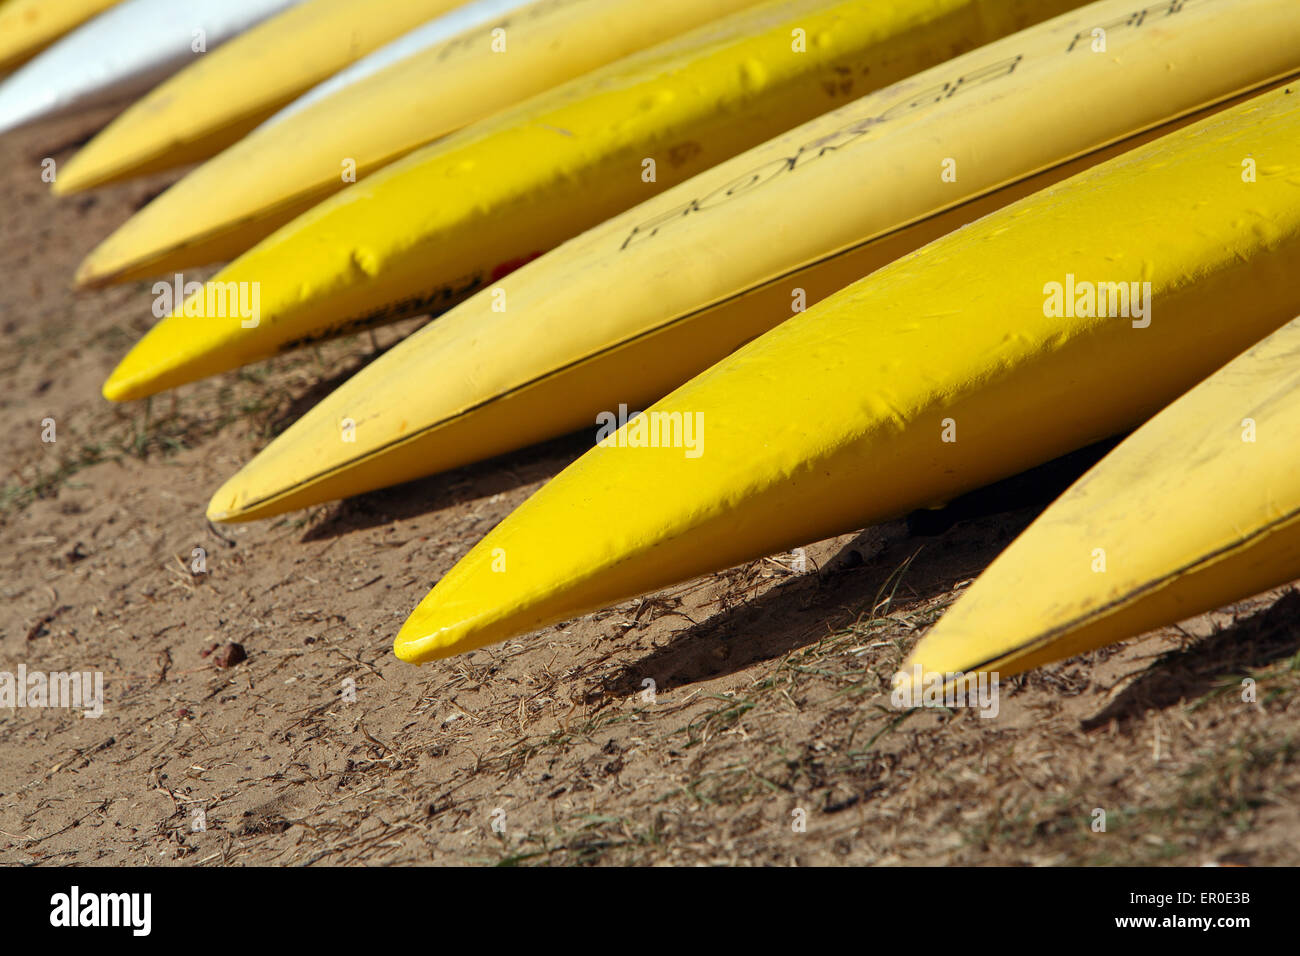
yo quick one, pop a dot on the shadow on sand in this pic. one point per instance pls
(1226, 656)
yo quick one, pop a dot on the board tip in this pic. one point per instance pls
(68, 182)
(225, 504)
(114, 389)
(125, 383)
(428, 635)
(90, 275)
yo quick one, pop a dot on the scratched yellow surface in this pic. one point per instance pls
(836, 418)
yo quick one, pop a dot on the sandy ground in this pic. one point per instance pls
(768, 737)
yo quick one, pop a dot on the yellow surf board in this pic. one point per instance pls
(1066, 317)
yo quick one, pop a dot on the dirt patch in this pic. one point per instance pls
(765, 737)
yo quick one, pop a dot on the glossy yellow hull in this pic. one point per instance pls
(843, 416)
